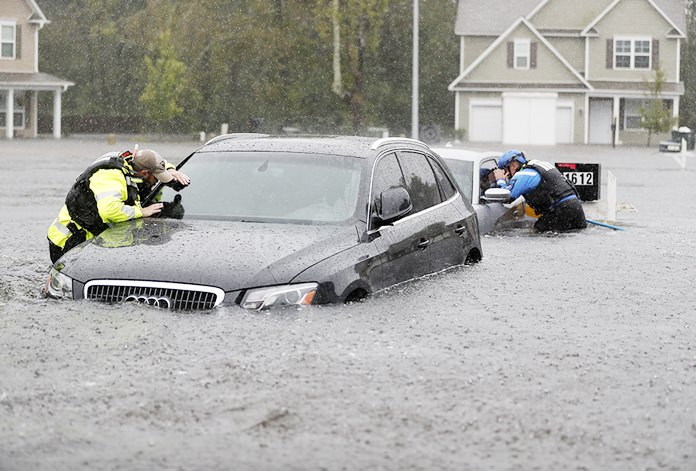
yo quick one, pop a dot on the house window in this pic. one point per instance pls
(632, 53)
(8, 40)
(19, 113)
(629, 111)
(522, 49)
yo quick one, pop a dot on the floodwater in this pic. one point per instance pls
(555, 352)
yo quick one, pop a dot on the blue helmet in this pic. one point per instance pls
(506, 159)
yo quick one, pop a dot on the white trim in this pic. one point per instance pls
(615, 116)
(594, 22)
(511, 87)
(678, 60)
(462, 51)
(501, 38)
(457, 109)
(616, 2)
(536, 9)
(36, 50)
(587, 119)
(587, 58)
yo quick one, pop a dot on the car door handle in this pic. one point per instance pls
(423, 244)
(460, 230)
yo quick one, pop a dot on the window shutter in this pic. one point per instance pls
(655, 54)
(510, 54)
(610, 53)
(18, 42)
(533, 55)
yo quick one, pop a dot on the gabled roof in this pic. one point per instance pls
(489, 18)
(37, 15)
(474, 19)
(502, 37)
(666, 3)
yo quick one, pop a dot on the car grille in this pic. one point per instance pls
(176, 296)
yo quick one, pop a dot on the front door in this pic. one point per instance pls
(405, 243)
(600, 120)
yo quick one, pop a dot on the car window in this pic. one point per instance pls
(463, 172)
(446, 186)
(420, 181)
(270, 187)
(486, 178)
(387, 175)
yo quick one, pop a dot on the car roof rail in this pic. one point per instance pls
(236, 135)
(396, 140)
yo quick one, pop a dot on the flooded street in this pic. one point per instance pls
(570, 351)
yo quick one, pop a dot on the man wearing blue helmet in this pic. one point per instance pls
(544, 188)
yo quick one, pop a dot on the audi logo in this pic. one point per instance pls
(161, 301)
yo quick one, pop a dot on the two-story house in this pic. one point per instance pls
(20, 79)
(564, 71)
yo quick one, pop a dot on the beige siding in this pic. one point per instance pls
(549, 68)
(474, 47)
(464, 105)
(19, 11)
(632, 18)
(578, 101)
(572, 49)
(568, 14)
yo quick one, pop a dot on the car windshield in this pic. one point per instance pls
(270, 187)
(463, 172)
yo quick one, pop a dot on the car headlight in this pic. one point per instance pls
(279, 296)
(58, 285)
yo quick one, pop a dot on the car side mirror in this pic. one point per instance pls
(394, 204)
(497, 195)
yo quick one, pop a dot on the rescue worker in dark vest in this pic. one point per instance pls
(109, 191)
(544, 188)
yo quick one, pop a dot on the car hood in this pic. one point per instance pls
(226, 254)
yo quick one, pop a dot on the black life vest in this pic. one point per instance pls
(553, 187)
(81, 202)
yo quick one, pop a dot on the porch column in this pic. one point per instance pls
(9, 114)
(57, 95)
(615, 119)
(33, 113)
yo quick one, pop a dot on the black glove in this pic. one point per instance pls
(172, 209)
(175, 185)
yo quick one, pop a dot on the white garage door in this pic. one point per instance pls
(486, 122)
(529, 118)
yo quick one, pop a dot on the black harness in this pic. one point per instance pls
(81, 201)
(553, 187)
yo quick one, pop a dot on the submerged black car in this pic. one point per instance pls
(271, 221)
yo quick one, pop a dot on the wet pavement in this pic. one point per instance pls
(555, 352)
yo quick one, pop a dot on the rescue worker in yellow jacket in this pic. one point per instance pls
(109, 191)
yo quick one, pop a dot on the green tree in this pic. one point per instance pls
(353, 28)
(166, 83)
(654, 115)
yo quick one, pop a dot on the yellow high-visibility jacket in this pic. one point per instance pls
(110, 188)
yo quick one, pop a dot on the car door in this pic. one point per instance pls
(444, 225)
(494, 215)
(404, 243)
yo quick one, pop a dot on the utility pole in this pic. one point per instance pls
(414, 87)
